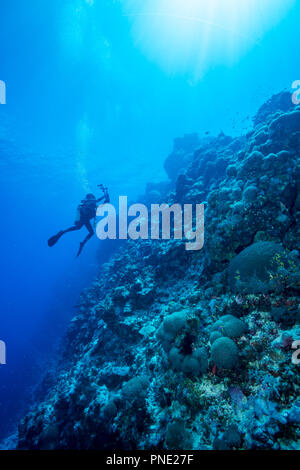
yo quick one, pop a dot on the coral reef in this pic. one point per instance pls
(193, 350)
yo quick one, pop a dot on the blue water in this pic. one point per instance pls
(96, 92)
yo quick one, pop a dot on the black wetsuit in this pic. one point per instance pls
(87, 212)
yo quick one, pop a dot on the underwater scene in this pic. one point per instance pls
(150, 249)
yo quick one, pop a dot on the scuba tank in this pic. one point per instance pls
(87, 208)
(78, 212)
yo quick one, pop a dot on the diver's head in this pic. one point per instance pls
(90, 196)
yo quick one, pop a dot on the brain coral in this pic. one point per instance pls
(135, 389)
(230, 326)
(224, 353)
(257, 268)
(195, 363)
(215, 335)
(170, 327)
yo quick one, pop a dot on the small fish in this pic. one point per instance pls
(283, 207)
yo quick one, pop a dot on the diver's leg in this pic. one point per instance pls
(71, 229)
(56, 237)
(89, 228)
(89, 235)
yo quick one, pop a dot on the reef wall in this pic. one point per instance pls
(193, 350)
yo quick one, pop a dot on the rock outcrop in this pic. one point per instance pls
(177, 350)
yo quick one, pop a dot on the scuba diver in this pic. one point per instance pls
(85, 212)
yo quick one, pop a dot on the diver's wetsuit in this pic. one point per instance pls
(78, 225)
(84, 220)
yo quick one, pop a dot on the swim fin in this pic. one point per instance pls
(55, 238)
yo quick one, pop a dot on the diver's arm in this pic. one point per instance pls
(105, 197)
